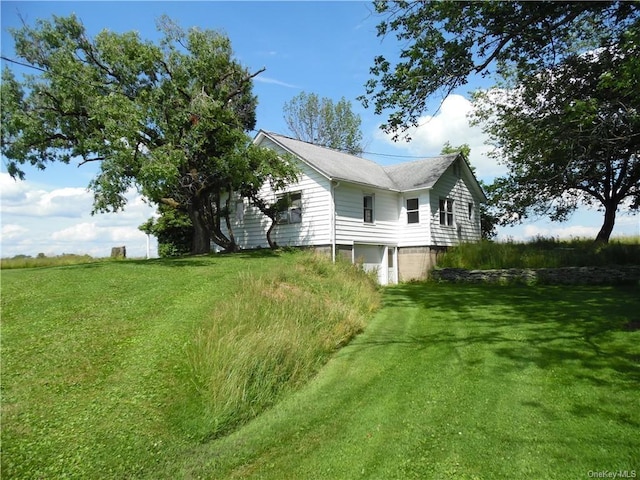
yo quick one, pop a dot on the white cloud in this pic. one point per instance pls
(11, 231)
(81, 232)
(26, 199)
(273, 81)
(11, 191)
(449, 124)
(43, 218)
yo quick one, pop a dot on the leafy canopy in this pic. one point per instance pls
(569, 135)
(169, 118)
(443, 44)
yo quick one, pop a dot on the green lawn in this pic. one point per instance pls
(459, 382)
(115, 369)
(447, 381)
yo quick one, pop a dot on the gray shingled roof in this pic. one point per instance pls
(419, 174)
(337, 165)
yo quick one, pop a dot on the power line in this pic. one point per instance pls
(394, 155)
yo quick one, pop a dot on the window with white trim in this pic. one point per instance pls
(471, 209)
(446, 212)
(413, 210)
(291, 207)
(368, 205)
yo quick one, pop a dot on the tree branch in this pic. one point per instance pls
(243, 82)
(170, 201)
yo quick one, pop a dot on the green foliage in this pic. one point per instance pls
(569, 136)
(541, 253)
(465, 149)
(113, 369)
(321, 122)
(169, 118)
(443, 44)
(568, 132)
(174, 232)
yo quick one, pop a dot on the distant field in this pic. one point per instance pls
(26, 261)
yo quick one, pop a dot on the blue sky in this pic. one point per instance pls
(322, 47)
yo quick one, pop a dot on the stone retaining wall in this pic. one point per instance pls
(612, 275)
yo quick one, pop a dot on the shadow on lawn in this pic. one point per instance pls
(545, 326)
(577, 336)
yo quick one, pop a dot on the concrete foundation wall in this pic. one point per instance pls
(414, 263)
(344, 252)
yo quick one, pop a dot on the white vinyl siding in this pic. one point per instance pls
(414, 234)
(452, 187)
(360, 217)
(316, 206)
(350, 225)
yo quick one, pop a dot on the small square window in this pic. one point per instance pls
(413, 210)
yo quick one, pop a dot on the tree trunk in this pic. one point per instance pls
(272, 244)
(219, 213)
(233, 246)
(201, 243)
(609, 222)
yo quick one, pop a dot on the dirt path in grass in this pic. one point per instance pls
(467, 382)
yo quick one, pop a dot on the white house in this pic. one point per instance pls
(394, 219)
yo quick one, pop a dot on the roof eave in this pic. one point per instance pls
(364, 184)
(291, 152)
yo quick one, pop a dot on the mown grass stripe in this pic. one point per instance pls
(471, 382)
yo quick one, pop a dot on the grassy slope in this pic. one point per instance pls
(99, 361)
(465, 382)
(87, 357)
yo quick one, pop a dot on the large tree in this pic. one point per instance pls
(169, 118)
(443, 44)
(322, 122)
(569, 136)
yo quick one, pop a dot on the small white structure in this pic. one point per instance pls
(394, 219)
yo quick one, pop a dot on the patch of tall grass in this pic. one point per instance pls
(542, 252)
(268, 338)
